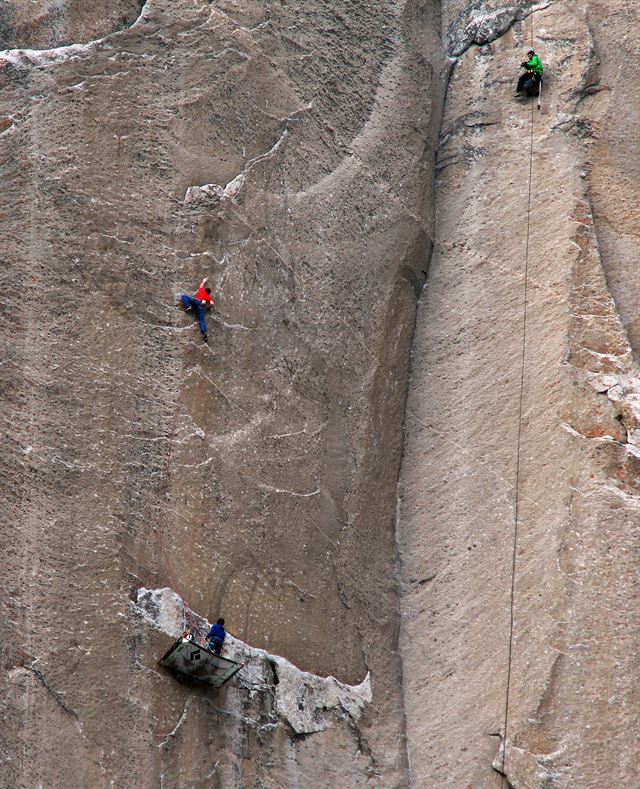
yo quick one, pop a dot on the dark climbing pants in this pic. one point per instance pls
(215, 645)
(535, 80)
(189, 301)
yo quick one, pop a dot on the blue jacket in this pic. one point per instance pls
(217, 631)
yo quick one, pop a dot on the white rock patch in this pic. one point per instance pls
(307, 702)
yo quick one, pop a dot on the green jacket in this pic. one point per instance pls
(535, 64)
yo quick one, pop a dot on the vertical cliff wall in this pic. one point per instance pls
(304, 157)
(524, 393)
(286, 151)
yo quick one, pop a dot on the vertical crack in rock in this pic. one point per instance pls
(604, 118)
(58, 698)
(600, 349)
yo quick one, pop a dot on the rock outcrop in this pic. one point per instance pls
(304, 702)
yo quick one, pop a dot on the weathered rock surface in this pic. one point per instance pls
(306, 703)
(287, 151)
(569, 446)
(44, 24)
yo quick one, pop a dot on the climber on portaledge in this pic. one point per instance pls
(529, 82)
(201, 302)
(216, 636)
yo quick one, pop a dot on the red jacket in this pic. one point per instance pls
(202, 295)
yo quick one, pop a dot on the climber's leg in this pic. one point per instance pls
(532, 85)
(215, 645)
(187, 301)
(201, 318)
(538, 81)
(523, 78)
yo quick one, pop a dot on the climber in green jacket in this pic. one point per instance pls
(529, 82)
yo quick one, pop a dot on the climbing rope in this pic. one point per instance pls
(518, 444)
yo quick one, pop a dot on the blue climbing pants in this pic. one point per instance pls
(215, 645)
(189, 301)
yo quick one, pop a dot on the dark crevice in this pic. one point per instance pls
(362, 747)
(296, 737)
(57, 696)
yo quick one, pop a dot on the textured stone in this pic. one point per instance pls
(573, 704)
(307, 704)
(287, 150)
(45, 24)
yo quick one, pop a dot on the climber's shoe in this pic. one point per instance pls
(204, 336)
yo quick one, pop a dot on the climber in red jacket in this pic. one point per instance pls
(201, 302)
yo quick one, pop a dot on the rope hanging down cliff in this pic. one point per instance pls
(518, 445)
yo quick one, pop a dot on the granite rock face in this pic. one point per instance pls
(286, 151)
(318, 161)
(45, 24)
(535, 408)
